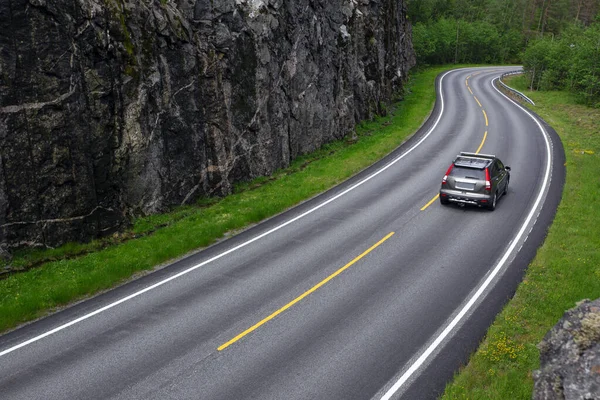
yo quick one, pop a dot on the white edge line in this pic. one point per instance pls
(417, 364)
(136, 294)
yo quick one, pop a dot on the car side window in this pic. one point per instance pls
(497, 168)
(500, 165)
(494, 170)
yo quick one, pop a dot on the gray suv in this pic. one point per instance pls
(477, 179)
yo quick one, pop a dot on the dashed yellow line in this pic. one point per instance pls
(297, 299)
(475, 97)
(485, 115)
(470, 89)
(430, 202)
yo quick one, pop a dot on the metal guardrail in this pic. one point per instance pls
(511, 90)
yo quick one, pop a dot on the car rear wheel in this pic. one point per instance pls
(444, 201)
(492, 205)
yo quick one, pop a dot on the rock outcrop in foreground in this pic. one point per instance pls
(570, 357)
(112, 108)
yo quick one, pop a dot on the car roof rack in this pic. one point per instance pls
(478, 155)
(473, 160)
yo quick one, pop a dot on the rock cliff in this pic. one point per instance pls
(570, 356)
(113, 108)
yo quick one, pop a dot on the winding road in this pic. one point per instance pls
(370, 290)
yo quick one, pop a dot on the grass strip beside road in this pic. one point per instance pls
(565, 270)
(77, 271)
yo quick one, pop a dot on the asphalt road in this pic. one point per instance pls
(362, 292)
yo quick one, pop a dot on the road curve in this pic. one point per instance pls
(370, 290)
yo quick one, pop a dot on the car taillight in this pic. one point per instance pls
(447, 173)
(488, 185)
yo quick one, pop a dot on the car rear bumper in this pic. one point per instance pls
(460, 197)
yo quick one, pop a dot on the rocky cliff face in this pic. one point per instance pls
(110, 108)
(570, 356)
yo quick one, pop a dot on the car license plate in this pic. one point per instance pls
(465, 186)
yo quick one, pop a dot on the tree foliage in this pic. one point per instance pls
(460, 41)
(558, 41)
(570, 61)
(527, 16)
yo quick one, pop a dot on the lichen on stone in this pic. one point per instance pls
(589, 333)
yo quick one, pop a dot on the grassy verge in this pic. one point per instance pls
(54, 278)
(566, 268)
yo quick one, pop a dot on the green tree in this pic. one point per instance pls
(435, 43)
(492, 31)
(480, 43)
(586, 65)
(536, 60)
(570, 61)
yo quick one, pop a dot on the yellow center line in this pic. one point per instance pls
(485, 115)
(470, 90)
(475, 97)
(482, 142)
(430, 202)
(297, 299)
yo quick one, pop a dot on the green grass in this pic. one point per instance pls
(56, 277)
(565, 270)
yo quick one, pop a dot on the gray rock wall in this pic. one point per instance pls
(570, 356)
(113, 108)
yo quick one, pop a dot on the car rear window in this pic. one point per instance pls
(469, 173)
